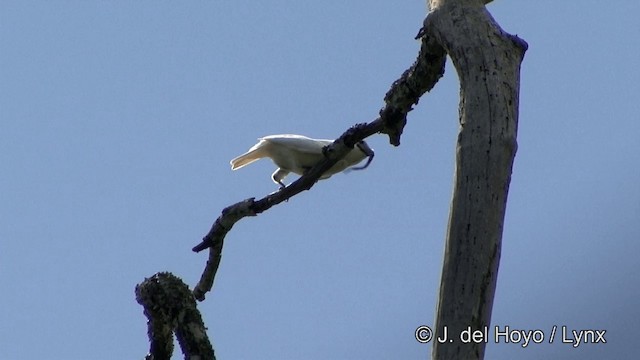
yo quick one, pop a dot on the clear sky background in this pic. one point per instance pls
(118, 121)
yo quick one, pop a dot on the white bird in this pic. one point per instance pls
(297, 154)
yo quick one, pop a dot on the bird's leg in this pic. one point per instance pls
(277, 177)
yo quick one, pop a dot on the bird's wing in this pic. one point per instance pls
(298, 143)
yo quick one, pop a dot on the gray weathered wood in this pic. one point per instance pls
(487, 60)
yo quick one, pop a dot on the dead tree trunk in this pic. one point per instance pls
(487, 60)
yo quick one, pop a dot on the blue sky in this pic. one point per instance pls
(118, 121)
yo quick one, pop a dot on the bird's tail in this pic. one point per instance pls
(255, 153)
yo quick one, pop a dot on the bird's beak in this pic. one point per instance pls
(368, 151)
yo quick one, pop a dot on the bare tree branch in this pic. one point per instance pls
(170, 307)
(399, 100)
(488, 63)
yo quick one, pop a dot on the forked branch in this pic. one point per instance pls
(399, 100)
